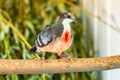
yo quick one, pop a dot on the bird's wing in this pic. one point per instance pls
(48, 34)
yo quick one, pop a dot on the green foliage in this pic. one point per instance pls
(22, 20)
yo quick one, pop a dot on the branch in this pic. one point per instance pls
(58, 65)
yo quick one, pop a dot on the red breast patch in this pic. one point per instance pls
(66, 36)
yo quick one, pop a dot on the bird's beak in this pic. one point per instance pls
(74, 20)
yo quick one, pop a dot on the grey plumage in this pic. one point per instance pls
(48, 34)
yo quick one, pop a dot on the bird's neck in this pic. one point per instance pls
(66, 36)
(66, 24)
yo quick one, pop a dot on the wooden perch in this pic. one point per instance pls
(58, 65)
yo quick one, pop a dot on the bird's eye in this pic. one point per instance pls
(69, 16)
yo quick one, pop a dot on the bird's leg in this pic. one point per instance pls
(66, 57)
(43, 55)
(43, 58)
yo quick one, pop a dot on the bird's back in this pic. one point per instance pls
(48, 34)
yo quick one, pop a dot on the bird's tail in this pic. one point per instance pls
(32, 50)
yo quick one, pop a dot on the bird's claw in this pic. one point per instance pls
(70, 59)
(42, 61)
(66, 57)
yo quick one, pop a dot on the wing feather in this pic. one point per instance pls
(48, 34)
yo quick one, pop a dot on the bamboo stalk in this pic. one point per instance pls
(18, 66)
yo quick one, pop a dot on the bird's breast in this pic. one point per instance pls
(60, 44)
(66, 37)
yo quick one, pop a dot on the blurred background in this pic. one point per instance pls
(95, 35)
(22, 20)
(101, 20)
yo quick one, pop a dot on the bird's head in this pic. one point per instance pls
(67, 17)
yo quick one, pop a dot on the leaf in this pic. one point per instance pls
(30, 26)
(2, 35)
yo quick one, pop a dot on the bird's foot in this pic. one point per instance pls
(66, 57)
(42, 61)
(43, 58)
